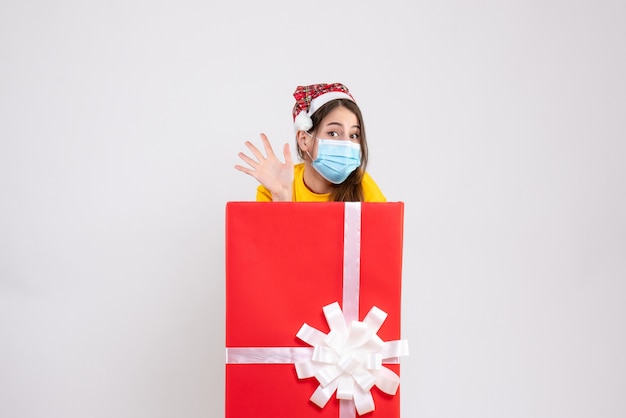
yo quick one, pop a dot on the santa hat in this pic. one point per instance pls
(310, 98)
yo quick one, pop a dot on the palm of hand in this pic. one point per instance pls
(276, 176)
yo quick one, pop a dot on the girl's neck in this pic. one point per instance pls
(314, 181)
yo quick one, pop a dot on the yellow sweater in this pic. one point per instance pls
(301, 193)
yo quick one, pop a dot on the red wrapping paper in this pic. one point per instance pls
(284, 262)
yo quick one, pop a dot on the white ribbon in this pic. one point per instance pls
(351, 260)
(349, 359)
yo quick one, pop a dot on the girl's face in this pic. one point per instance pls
(339, 124)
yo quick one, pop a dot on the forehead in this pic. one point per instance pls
(341, 115)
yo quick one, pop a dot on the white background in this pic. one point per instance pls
(500, 124)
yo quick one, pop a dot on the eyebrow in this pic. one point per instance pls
(339, 124)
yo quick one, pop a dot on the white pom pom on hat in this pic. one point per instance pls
(312, 97)
(303, 122)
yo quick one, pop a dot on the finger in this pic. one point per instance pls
(255, 151)
(244, 170)
(268, 147)
(287, 154)
(252, 163)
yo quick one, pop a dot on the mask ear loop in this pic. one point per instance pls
(307, 151)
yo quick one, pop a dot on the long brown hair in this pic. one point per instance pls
(350, 190)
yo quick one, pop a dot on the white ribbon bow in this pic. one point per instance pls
(349, 359)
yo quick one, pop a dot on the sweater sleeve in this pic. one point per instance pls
(263, 195)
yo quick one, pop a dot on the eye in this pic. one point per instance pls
(355, 137)
(333, 134)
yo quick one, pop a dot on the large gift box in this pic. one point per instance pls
(313, 309)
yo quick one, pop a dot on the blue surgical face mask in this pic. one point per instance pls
(336, 159)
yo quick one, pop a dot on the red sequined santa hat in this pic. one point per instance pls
(310, 98)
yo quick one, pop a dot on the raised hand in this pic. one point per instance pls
(276, 176)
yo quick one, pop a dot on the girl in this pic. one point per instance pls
(330, 140)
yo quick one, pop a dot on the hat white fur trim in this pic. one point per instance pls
(303, 120)
(321, 100)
